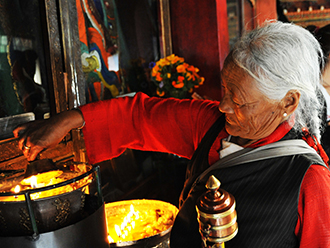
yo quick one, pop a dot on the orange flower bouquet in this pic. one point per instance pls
(173, 77)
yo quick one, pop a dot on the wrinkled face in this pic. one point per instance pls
(249, 113)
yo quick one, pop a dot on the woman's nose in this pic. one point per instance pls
(226, 105)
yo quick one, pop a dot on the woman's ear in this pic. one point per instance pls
(290, 101)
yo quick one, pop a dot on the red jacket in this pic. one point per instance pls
(177, 126)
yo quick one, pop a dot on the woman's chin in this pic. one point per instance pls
(232, 130)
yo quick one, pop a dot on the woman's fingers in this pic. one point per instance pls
(21, 140)
(17, 130)
(29, 149)
(29, 135)
(32, 152)
(26, 151)
(39, 135)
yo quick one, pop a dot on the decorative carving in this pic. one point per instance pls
(83, 200)
(63, 210)
(25, 220)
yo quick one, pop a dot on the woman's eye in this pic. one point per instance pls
(236, 102)
(238, 105)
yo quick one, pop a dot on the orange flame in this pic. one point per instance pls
(127, 225)
(34, 182)
(17, 189)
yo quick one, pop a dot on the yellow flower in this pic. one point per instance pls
(173, 70)
(177, 59)
(163, 62)
(154, 71)
(174, 59)
(171, 57)
(181, 68)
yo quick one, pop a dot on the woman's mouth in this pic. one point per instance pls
(229, 121)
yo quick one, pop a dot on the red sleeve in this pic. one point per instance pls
(144, 123)
(313, 227)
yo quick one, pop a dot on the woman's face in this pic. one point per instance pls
(250, 115)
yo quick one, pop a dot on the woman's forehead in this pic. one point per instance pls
(239, 82)
(232, 73)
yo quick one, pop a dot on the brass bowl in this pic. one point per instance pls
(153, 222)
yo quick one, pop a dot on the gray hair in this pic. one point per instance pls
(282, 57)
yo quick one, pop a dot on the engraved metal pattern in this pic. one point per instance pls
(25, 220)
(63, 210)
(83, 200)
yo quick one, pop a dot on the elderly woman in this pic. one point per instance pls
(257, 145)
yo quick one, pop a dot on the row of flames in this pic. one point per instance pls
(39, 181)
(126, 226)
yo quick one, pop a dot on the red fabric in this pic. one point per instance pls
(313, 224)
(149, 124)
(313, 142)
(172, 126)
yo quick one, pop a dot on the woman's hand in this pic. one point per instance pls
(39, 135)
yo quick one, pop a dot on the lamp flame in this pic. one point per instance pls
(118, 231)
(132, 220)
(128, 223)
(33, 182)
(17, 189)
(110, 239)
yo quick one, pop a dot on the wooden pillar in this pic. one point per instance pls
(265, 10)
(255, 12)
(223, 35)
(200, 36)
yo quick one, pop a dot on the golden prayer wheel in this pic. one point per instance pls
(216, 215)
